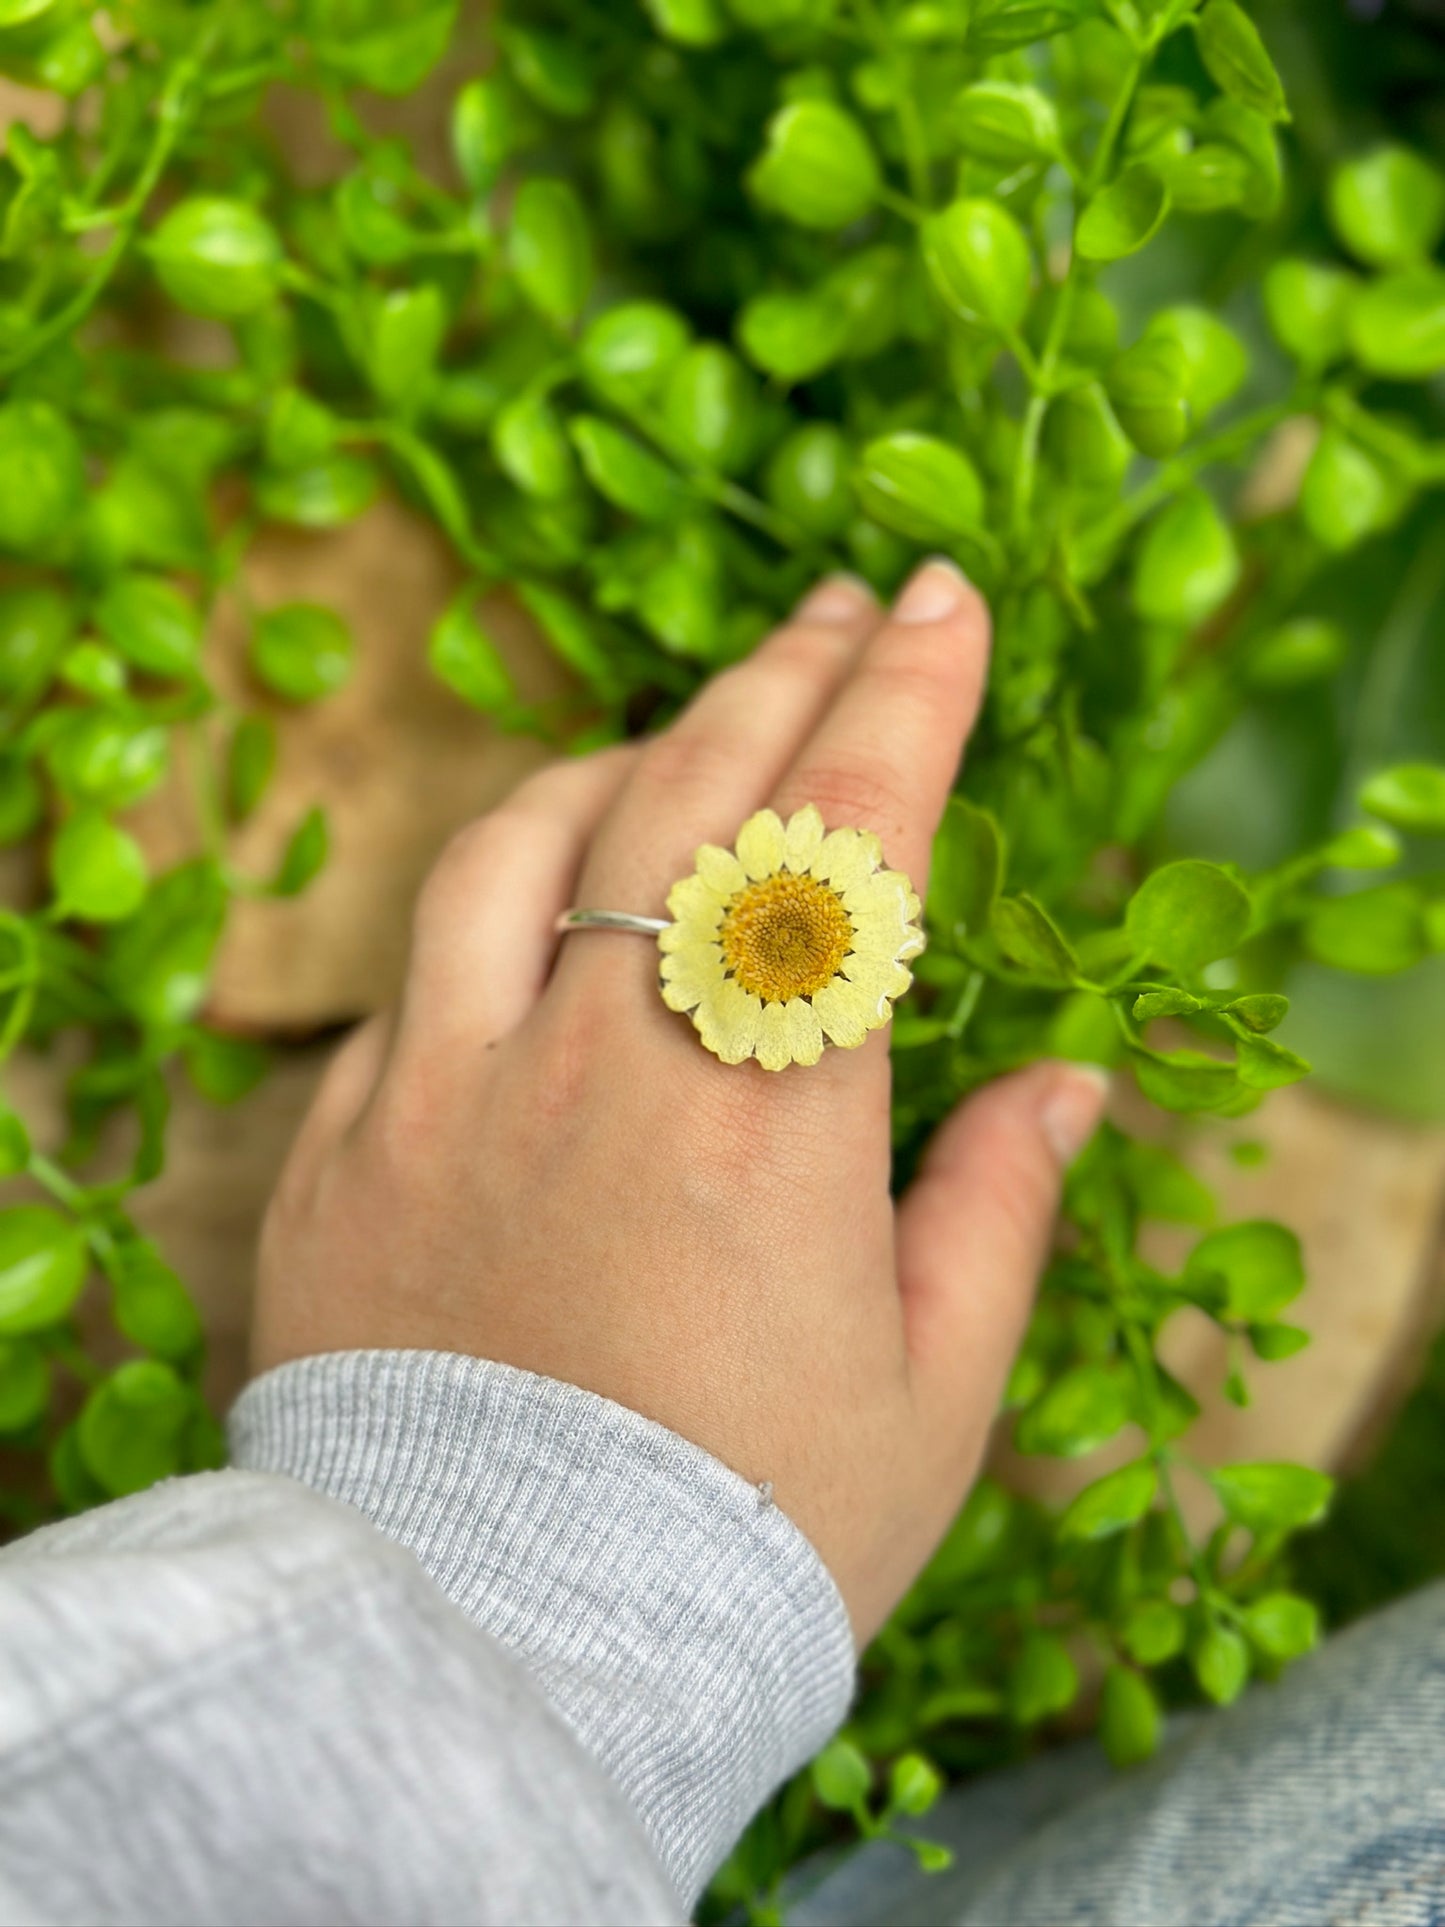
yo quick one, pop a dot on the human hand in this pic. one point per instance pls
(532, 1160)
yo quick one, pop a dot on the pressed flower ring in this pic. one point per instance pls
(796, 939)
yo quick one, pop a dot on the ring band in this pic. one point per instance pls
(794, 940)
(609, 920)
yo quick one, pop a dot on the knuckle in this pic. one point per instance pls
(467, 858)
(695, 755)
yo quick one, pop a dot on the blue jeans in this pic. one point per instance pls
(1317, 1802)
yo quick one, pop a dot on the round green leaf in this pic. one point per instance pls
(133, 1425)
(1188, 564)
(553, 68)
(1044, 1680)
(217, 257)
(533, 449)
(1188, 914)
(1301, 651)
(36, 626)
(1153, 1631)
(302, 651)
(818, 167)
(151, 624)
(42, 475)
(152, 1307)
(1123, 216)
(793, 336)
(406, 329)
(842, 1777)
(551, 249)
(1221, 1663)
(1397, 327)
(1310, 308)
(466, 659)
(24, 1385)
(1128, 1717)
(1375, 933)
(1347, 494)
(321, 496)
(978, 257)
(1272, 1498)
(98, 870)
(43, 1265)
(1411, 796)
(913, 1785)
(1216, 361)
(1247, 1271)
(920, 486)
(1111, 1503)
(304, 856)
(808, 480)
(629, 475)
(1283, 1625)
(627, 351)
(1005, 123)
(488, 126)
(1079, 1412)
(711, 407)
(999, 26)
(110, 761)
(1149, 387)
(1388, 206)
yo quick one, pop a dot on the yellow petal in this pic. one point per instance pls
(842, 859)
(774, 1049)
(805, 1033)
(720, 870)
(727, 1021)
(843, 1010)
(914, 944)
(802, 838)
(693, 898)
(761, 842)
(880, 890)
(690, 978)
(881, 980)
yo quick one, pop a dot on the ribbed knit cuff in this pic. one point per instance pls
(686, 1630)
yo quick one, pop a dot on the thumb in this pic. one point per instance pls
(975, 1229)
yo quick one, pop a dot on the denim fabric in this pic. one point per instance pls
(1316, 1802)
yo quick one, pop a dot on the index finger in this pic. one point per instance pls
(885, 754)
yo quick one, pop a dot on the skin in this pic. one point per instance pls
(532, 1160)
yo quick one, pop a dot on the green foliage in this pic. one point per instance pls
(712, 299)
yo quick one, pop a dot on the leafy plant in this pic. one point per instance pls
(716, 297)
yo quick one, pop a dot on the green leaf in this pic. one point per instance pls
(1364, 847)
(488, 127)
(818, 167)
(152, 1307)
(914, 1785)
(14, 1144)
(1149, 387)
(304, 856)
(1186, 1081)
(793, 336)
(1275, 1342)
(1044, 1680)
(967, 869)
(1124, 216)
(24, 1385)
(629, 475)
(1005, 123)
(809, 480)
(1310, 307)
(151, 624)
(1079, 1412)
(551, 249)
(322, 496)
(1272, 1498)
(302, 651)
(250, 762)
(1216, 361)
(406, 328)
(224, 1068)
(1028, 936)
(1410, 796)
(1221, 1663)
(1162, 1187)
(1397, 327)
(1128, 1717)
(1111, 1503)
(978, 258)
(842, 1777)
(999, 26)
(920, 486)
(42, 476)
(1374, 932)
(98, 869)
(627, 352)
(1388, 206)
(466, 659)
(1302, 651)
(1347, 495)
(216, 257)
(158, 963)
(132, 1427)
(1238, 63)
(1264, 1065)
(553, 68)
(1153, 1631)
(691, 23)
(1283, 1625)
(36, 626)
(109, 761)
(1188, 914)
(1260, 1011)
(43, 1266)
(533, 449)
(711, 407)
(1248, 1271)
(1188, 564)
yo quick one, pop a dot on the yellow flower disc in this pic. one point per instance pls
(795, 939)
(785, 937)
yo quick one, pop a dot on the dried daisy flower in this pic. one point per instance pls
(798, 939)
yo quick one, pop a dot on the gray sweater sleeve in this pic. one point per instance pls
(454, 1643)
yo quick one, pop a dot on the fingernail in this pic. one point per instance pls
(1073, 1107)
(933, 591)
(836, 600)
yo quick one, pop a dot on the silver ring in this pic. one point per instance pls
(610, 920)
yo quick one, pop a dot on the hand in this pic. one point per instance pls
(533, 1160)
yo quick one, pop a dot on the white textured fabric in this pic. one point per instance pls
(686, 1631)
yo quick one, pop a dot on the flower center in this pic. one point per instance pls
(785, 937)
